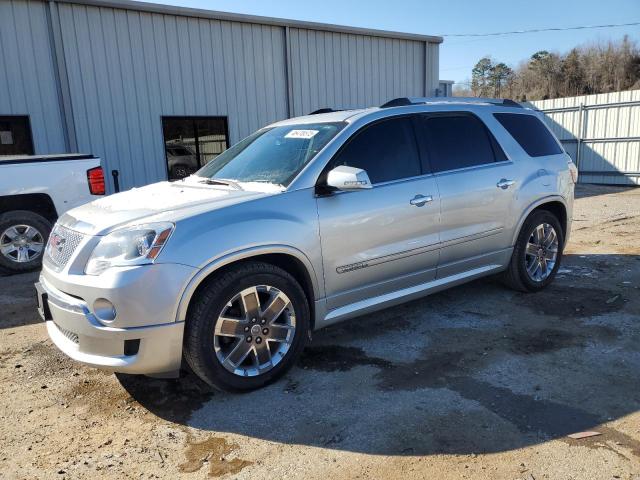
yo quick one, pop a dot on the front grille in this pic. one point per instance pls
(61, 245)
(68, 334)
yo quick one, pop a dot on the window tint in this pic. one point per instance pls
(386, 150)
(458, 141)
(530, 133)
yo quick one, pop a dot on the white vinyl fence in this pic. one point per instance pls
(600, 132)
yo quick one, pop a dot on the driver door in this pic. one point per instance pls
(386, 238)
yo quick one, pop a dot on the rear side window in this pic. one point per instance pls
(386, 150)
(458, 141)
(530, 133)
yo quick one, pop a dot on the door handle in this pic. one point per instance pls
(420, 200)
(504, 183)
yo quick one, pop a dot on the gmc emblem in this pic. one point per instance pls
(57, 242)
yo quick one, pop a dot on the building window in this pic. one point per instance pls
(192, 142)
(15, 135)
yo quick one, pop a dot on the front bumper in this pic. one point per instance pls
(147, 347)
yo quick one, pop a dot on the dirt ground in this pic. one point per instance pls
(476, 382)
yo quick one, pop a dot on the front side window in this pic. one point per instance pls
(458, 141)
(385, 150)
(272, 155)
(530, 133)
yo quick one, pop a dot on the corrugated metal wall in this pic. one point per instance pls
(605, 131)
(128, 68)
(120, 68)
(341, 70)
(27, 73)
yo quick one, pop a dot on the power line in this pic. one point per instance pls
(538, 30)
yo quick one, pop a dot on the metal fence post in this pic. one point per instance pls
(580, 134)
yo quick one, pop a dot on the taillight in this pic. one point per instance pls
(95, 177)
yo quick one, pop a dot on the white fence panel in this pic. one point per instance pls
(600, 132)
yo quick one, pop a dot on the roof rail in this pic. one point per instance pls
(404, 101)
(323, 110)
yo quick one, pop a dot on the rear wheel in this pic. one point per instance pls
(537, 254)
(23, 235)
(246, 327)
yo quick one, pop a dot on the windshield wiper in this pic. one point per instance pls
(222, 181)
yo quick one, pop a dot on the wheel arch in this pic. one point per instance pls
(288, 258)
(39, 203)
(555, 205)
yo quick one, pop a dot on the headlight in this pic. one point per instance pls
(136, 245)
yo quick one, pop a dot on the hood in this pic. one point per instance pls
(164, 201)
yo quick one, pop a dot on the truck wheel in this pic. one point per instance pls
(537, 254)
(246, 327)
(23, 236)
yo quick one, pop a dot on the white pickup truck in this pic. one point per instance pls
(34, 191)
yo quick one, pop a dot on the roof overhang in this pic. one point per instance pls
(243, 18)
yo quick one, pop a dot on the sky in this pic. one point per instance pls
(459, 55)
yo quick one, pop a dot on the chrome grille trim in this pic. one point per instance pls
(61, 246)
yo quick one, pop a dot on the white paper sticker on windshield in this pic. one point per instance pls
(305, 134)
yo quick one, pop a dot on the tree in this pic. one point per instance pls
(547, 66)
(572, 74)
(596, 68)
(480, 77)
(498, 77)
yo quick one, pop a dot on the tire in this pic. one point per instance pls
(518, 276)
(25, 260)
(208, 352)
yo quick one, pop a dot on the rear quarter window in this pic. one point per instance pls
(530, 133)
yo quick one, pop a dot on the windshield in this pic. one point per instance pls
(272, 155)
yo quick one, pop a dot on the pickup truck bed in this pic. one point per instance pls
(34, 191)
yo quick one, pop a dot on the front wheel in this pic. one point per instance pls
(537, 254)
(247, 327)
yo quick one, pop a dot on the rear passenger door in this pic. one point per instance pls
(477, 184)
(383, 239)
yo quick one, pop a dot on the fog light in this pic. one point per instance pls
(104, 309)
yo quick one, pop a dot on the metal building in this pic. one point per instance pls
(157, 90)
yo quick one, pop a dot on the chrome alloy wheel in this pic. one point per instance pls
(541, 252)
(21, 243)
(254, 331)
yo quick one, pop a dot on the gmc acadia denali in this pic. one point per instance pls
(305, 223)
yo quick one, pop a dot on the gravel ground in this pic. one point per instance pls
(476, 382)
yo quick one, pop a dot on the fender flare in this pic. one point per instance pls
(243, 254)
(532, 207)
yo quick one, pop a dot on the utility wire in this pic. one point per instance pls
(537, 30)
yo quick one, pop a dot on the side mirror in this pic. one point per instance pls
(348, 178)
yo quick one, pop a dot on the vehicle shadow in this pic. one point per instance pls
(18, 305)
(475, 369)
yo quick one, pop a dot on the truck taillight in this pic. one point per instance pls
(95, 177)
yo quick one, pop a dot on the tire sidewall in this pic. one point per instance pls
(533, 221)
(24, 217)
(214, 373)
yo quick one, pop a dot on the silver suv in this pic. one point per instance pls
(305, 223)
